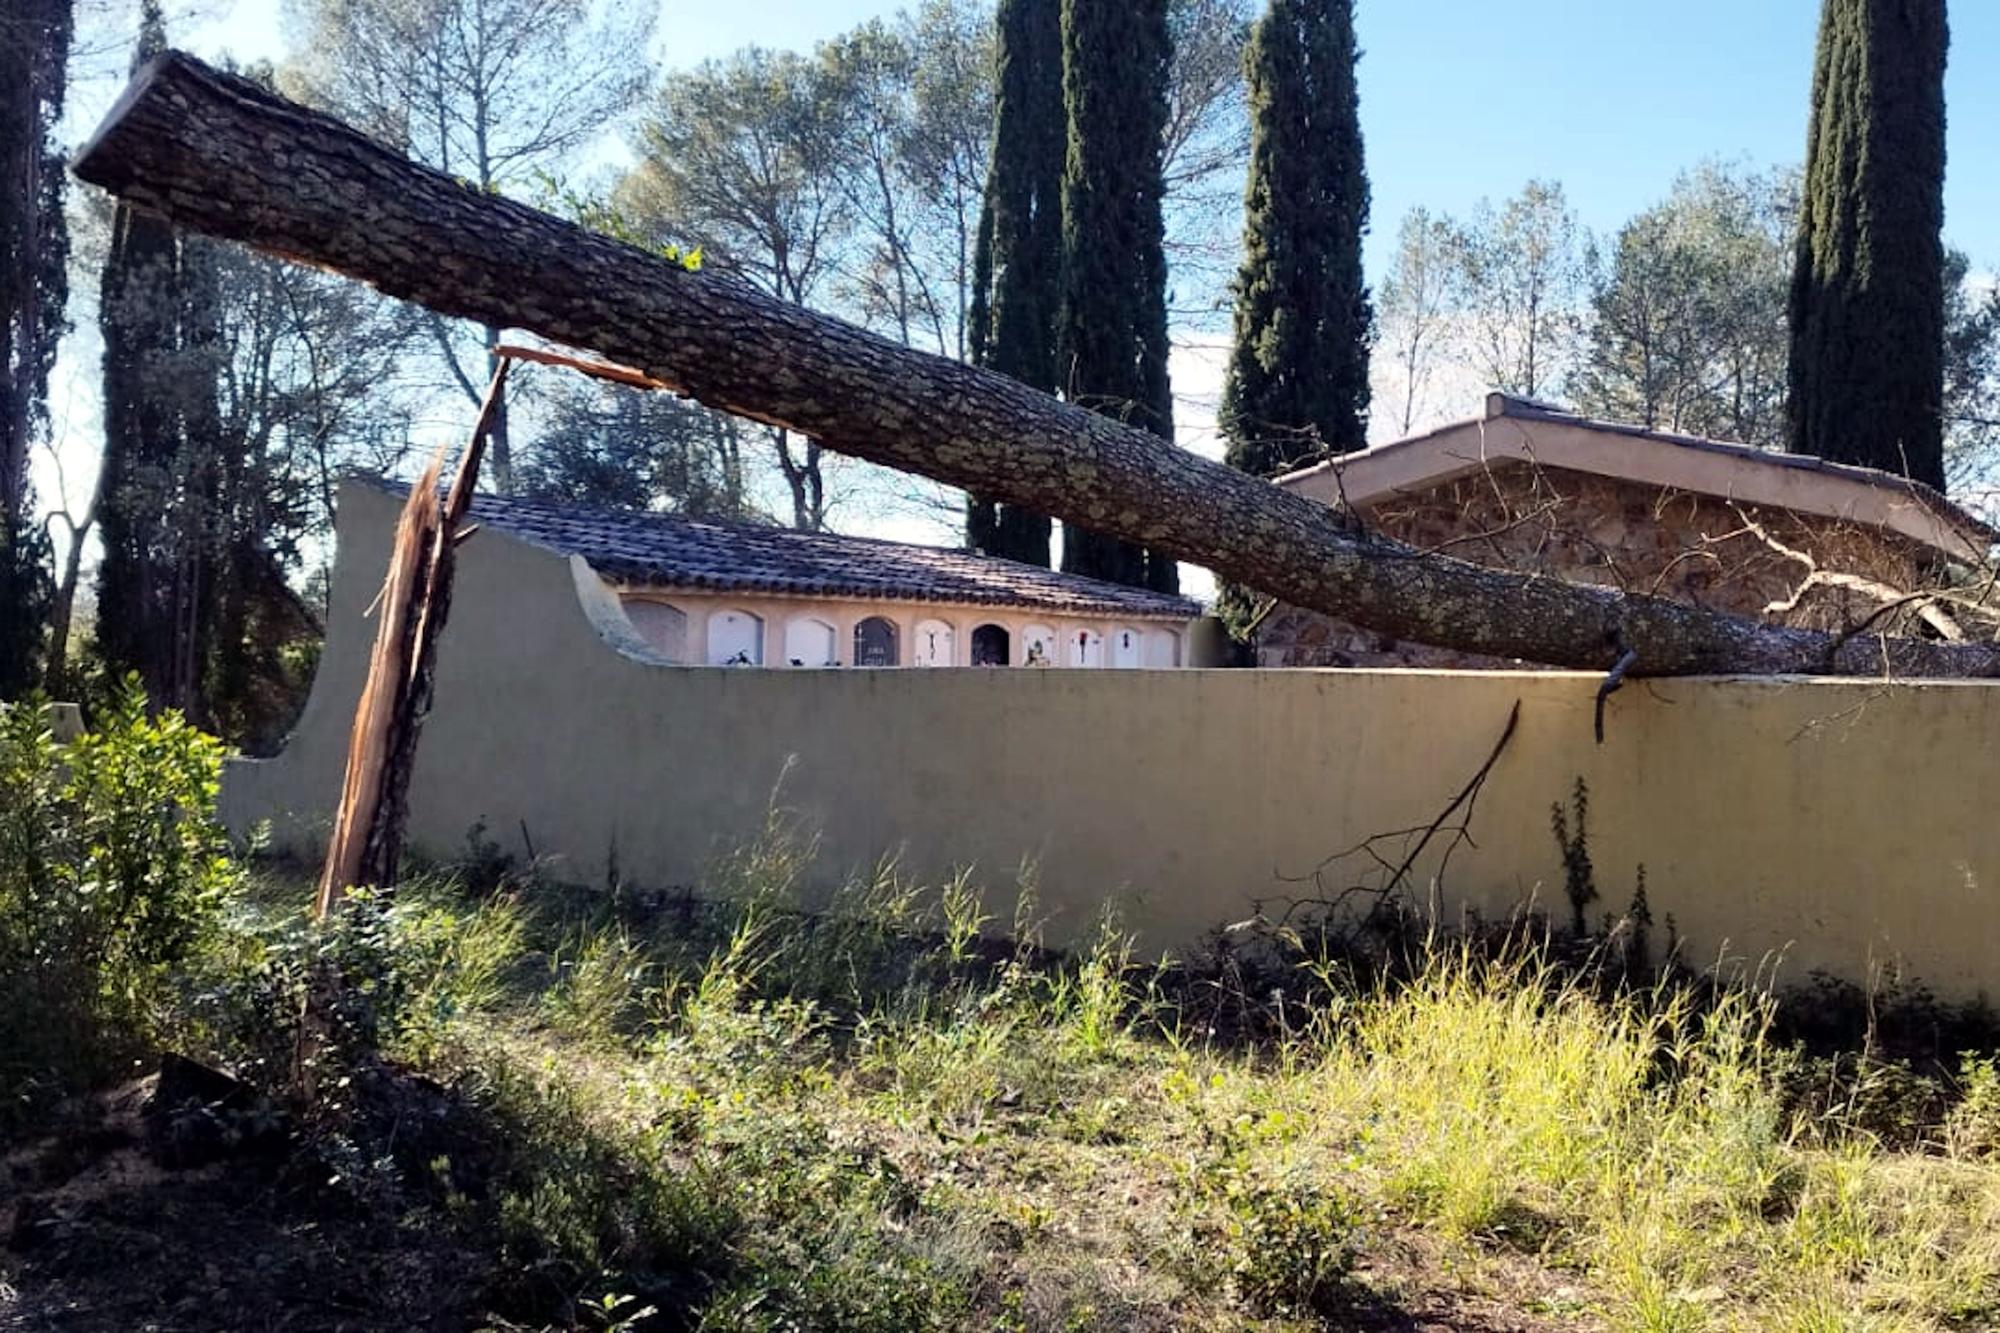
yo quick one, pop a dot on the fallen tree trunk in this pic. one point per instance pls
(220, 155)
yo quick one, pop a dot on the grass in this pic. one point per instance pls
(876, 1117)
(690, 1113)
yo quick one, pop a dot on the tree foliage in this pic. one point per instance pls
(235, 388)
(34, 244)
(1297, 386)
(604, 445)
(492, 91)
(1687, 331)
(1111, 321)
(746, 155)
(1495, 300)
(1867, 299)
(1417, 316)
(1971, 382)
(914, 106)
(151, 372)
(1296, 389)
(1524, 272)
(34, 285)
(1018, 258)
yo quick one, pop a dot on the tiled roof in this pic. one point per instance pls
(666, 550)
(1738, 471)
(1532, 409)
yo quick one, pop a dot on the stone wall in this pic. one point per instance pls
(1695, 548)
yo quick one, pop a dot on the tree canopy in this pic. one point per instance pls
(1867, 299)
(1111, 317)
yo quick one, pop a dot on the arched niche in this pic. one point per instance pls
(811, 642)
(992, 645)
(1083, 647)
(662, 625)
(735, 638)
(934, 644)
(1128, 647)
(1163, 648)
(877, 643)
(1039, 647)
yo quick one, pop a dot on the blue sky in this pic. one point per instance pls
(1461, 99)
(1464, 99)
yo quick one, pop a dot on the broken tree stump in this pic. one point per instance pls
(368, 824)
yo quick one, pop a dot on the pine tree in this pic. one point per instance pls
(1867, 300)
(1019, 244)
(1111, 323)
(1297, 385)
(34, 248)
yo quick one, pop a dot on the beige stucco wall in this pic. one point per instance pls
(1845, 825)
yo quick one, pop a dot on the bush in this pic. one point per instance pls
(113, 874)
(1293, 1245)
(396, 972)
(1974, 1126)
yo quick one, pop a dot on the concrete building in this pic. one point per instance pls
(1791, 539)
(699, 592)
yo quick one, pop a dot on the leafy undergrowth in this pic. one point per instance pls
(543, 1108)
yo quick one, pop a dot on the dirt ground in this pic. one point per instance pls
(121, 1223)
(104, 1227)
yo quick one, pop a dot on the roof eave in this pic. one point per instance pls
(667, 585)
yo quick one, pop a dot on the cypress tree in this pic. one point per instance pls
(1111, 322)
(34, 249)
(1867, 298)
(1019, 245)
(1297, 385)
(1296, 389)
(149, 581)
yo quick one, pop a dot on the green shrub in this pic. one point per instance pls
(113, 874)
(1974, 1126)
(1292, 1244)
(397, 973)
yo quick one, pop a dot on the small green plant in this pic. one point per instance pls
(600, 985)
(1092, 997)
(1639, 929)
(1293, 1245)
(1573, 839)
(597, 214)
(1973, 1129)
(613, 1313)
(113, 877)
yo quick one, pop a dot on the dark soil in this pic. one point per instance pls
(141, 1215)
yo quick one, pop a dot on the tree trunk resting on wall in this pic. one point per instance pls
(215, 153)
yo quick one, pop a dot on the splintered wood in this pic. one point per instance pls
(368, 824)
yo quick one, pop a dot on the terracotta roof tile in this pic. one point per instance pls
(667, 550)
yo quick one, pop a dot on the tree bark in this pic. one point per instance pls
(217, 154)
